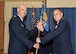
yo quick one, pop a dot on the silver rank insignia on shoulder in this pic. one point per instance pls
(14, 16)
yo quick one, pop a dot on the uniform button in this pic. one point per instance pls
(54, 43)
(50, 53)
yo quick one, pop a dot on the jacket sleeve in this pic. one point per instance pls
(44, 33)
(19, 34)
(61, 28)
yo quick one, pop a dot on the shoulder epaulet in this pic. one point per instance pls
(14, 16)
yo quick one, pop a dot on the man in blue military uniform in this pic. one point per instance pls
(19, 42)
(61, 36)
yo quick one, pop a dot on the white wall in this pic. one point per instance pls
(61, 3)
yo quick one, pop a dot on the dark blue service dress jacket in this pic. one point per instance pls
(19, 42)
(61, 37)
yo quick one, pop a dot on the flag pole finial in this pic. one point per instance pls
(43, 1)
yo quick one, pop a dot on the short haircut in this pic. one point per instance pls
(58, 9)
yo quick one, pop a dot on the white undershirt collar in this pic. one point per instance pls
(20, 17)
